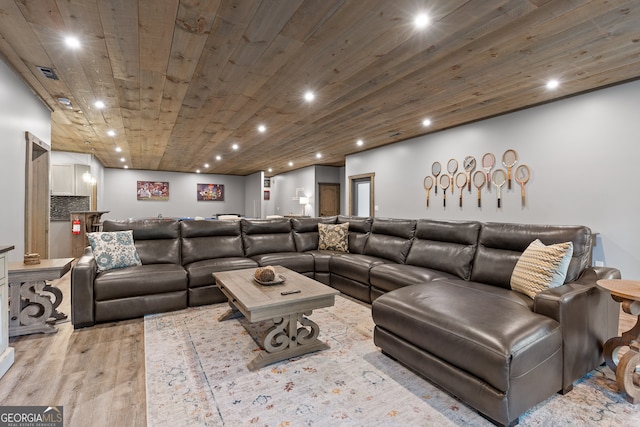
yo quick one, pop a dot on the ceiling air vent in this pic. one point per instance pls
(48, 72)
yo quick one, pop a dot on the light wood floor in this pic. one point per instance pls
(96, 373)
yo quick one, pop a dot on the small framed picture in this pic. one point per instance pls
(267, 183)
(210, 192)
(267, 195)
(150, 190)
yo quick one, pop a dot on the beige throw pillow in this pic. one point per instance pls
(334, 237)
(541, 267)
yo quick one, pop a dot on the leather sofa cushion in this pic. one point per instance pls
(478, 329)
(359, 229)
(393, 276)
(296, 261)
(447, 246)
(200, 271)
(500, 246)
(354, 266)
(203, 240)
(322, 258)
(305, 231)
(267, 236)
(390, 239)
(139, 280)
(157, 240)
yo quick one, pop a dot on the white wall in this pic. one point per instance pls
(20, 111)
(253, 194)
(120, 197)
(284, 190)
(582, 153)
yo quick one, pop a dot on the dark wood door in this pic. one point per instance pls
(329, 199)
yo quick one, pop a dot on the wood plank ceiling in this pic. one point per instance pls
(184, 80)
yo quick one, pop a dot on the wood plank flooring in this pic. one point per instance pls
(97, 373)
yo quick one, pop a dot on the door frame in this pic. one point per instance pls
(353, 179)
(37, 198)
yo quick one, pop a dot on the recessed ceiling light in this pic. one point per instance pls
(118, 149)
(206, 165)
(270, 170)
(262, 128)
(99, 104)
(290, 163)
(111, 133)
(359, 143)
(318, 156)
(421, 21)
(218, 157)
(122, 159)
(235, 146)
(126, 167)
(309, 96)
(72, 42)
(553, 84)
(197, 170)
(426, 123)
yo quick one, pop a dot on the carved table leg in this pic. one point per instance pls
(231, 313)
(285, 340)
(30, 309)
(57, 293)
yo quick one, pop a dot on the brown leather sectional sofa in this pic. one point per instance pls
(440, 294)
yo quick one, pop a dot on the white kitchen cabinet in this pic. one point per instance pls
(68, 180)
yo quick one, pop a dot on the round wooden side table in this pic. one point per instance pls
(627, 293)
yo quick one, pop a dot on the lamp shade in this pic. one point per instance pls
(304, 200)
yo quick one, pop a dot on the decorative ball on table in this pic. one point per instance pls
(265, 274)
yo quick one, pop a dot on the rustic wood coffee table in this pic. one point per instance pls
(286, 304)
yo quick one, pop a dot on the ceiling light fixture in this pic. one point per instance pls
(318, 156)
(99, 104)
(206, 165)
(421, 21)
(553, 84)
(197, 170)
(118, 149)
(218, 157)
(111, 133)
(309, 96)
(235, 146)
(270, 170)
(122, 159)
(426, 123)
(359, 143)
(72, 42)
(126, 167)
(290, 163)
(262, 128)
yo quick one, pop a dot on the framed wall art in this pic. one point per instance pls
(267, 195)
(267, 183)
(210, 192)
(152, 190)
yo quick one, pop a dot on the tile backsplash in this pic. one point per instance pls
(61, 206)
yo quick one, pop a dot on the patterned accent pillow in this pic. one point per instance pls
(114, 249)
(541, 267)
(333, 237)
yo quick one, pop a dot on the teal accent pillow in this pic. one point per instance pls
(114, 249)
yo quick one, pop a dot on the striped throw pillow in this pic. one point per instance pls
(541, 267)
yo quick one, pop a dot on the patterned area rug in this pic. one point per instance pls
(196, 375)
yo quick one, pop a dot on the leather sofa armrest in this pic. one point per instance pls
(588, 316)
(82, 276)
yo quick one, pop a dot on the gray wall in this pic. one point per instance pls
(582, 153)
(20, 111)
(283, 190)
(121, 201)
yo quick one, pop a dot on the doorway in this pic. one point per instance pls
(329, 196)
(36, 209)
(361, 201)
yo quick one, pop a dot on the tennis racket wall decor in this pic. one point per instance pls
(486, 177)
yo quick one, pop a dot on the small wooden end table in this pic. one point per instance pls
(286, 304)
(31, 307)
(627, 293)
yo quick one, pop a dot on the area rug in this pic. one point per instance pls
(196, 375)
